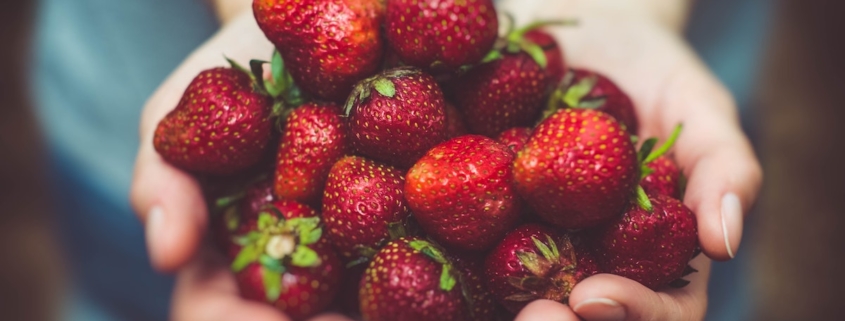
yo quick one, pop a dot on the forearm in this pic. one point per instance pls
(669, 13)
(227, 10)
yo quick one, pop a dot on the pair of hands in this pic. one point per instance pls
(642, 53)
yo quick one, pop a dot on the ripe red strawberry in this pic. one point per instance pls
(396, 116)
(411, 279)
(233, 213)
(481, 303)
(578, 169)
(243, 218)
(441, 35)
(221, 125)
(328, 45)
(650, 246)
(555, 63)
(515, 138)
(588, 89)
(461, 193)
(664, 179)
(315, 137)
(361, 199)
(510, 91)
(455, 125)
(286, 262)
(535, 262)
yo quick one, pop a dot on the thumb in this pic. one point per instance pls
(170, 204)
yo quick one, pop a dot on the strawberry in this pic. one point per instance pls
(651, 243)
(314, 138)
(455, 125)
(665, 178)
(236, 214)
(441, 35)
(481, 303)
(396, 116)
(578, 169)
(411, 279)
(361, 199)
(286, 262)
(555, 63)
(658, 172)
(222, 124)
(535, 262)
(461, 193)
(328, 45)
(515, 138)
(509, 91)
(588, 89)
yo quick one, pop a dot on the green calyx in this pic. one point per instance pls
(552, 267)
(448, 277)
(571, 94)
(515, 40)
(280, 87)
(276, 244)
(382, 83)
(648, 154)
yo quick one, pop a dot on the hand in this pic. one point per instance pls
(171, 204)
(646, 56)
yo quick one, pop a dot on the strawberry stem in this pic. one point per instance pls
(642, 199)
(666, 146)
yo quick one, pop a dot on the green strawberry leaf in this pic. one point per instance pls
(304, 256)
(594, 103)
(536, 52)
(310, 236)
(642, 199)
(553, 246)
(547, 253)
(277, 68)
(645, 150)
(271, 264)
(230, 200)
(521, 297)
(246, 256)
(266, 220)
(247, 239)
(666, 146)
(429, 250)
(385, 87)
(577, 92)
(396, 230)
(531, 261)
(272, 284)
(237, 66)
(447, 280)
(493, 55)
(358, 261)
(257, 68)
(302, 224)
(232, 218)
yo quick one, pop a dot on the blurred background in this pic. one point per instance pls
(783, 61)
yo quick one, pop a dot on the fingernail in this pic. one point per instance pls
(154, 226)
(600, 309)
(731, 222)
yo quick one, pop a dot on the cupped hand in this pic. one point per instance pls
(641, 49)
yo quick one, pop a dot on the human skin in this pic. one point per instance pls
(637, 44)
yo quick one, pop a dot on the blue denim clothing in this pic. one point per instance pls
(97, 61)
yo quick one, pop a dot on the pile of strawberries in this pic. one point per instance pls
(405, 161)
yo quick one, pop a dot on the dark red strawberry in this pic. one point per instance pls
(286, 262)
(509, 91)
(578, 169)
(515, 138)
(361, 199)
(234, 212)
(411, 279)
(482, 305)
(315, 137)
(222, 124)
(396, 116)
(328, 45)
(441, 35)
(555, 63)
(651, 243)
(461, 193)
(664, 178)
(535, 262)
(588, 89)
(455, 125)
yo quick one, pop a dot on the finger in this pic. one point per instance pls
(612, 297)
(724, 175)
(206, 291)
(330, 317)
(546, 310)
(170, 204)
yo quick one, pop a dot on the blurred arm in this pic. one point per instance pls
(226, 10)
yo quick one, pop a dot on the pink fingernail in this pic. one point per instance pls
(731, 222)
(600, 309)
